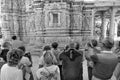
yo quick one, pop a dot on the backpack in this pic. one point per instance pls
(51, 76)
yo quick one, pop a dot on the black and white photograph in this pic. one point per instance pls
(59, 39)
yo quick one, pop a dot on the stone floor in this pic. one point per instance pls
(35, 67)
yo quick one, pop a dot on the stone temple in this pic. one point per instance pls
(45, 21)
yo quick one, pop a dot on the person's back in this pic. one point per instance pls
(72, 65)
(117, 69)
(105, 65)
(48, 71)
(45, 72)
(56, 53)
(10, 73)
(105, 62)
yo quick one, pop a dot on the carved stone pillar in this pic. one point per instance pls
(112, 26)
(92, 25)
(103, 25)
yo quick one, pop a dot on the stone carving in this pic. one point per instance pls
(12, 18)
(47, 23)
(87, 20)
(98, 25)
(117, 27)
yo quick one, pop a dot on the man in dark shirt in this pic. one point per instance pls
(71, 64)
(104, 63)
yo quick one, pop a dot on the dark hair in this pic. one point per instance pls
(6, 45)
(14, 56)
(14, 37)
(55, 45)
(46, 48)
(92, 43)
(66, 47)
(108, 44)
(28, 55)
(77, 46)
(22, 48)
(72, 45)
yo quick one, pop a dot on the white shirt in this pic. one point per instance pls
(11, 73)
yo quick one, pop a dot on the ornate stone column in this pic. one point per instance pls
(93, 22)
(112, 21)
(103, 25)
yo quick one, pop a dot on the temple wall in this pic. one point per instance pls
(44, 23)
(11, 12)
(59, 31)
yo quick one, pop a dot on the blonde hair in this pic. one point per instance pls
(48, 58)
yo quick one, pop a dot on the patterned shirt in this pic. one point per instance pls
(48, 73)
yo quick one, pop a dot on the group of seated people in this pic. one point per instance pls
(67, 64)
